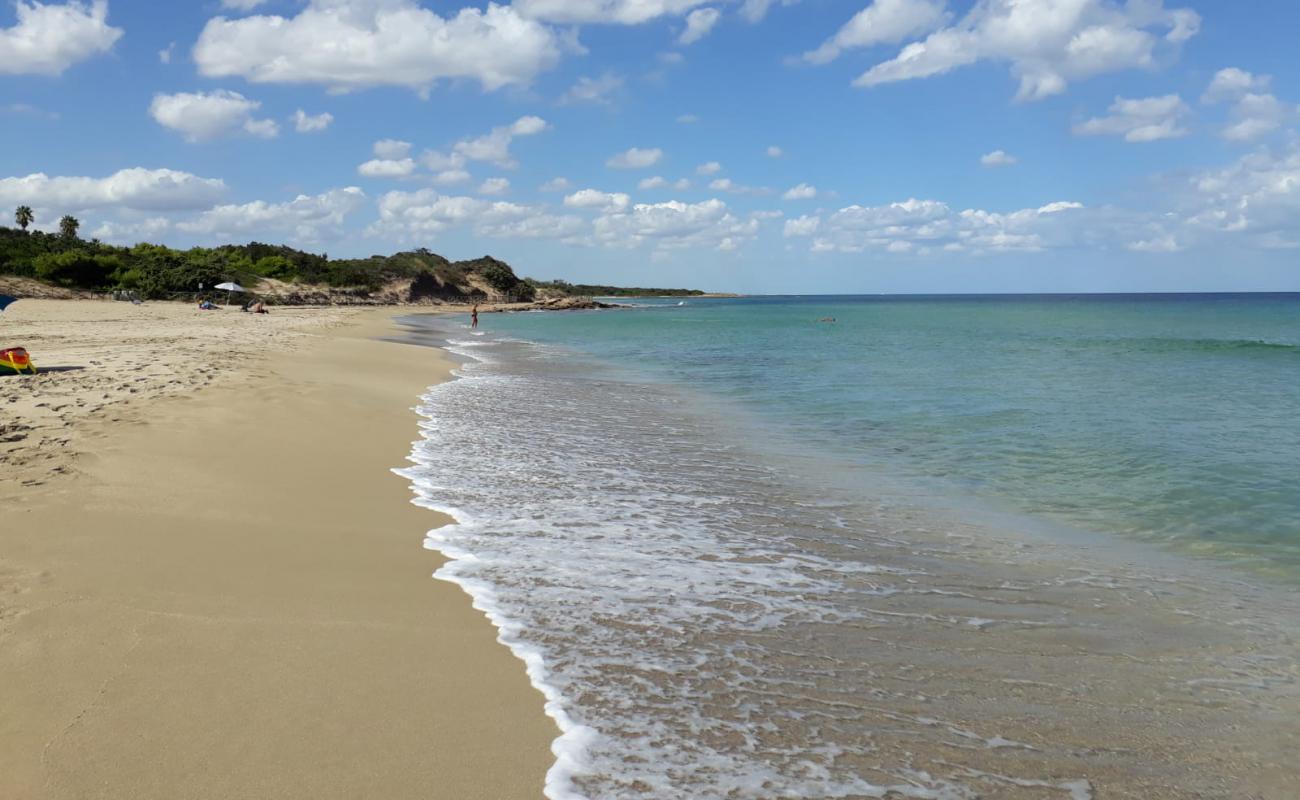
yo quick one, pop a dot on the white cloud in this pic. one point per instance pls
(1145, 119)
(997, 158)
(1047, 44)
(391, 149)
(882, 22)
(728, 185)
(165, 55)
(387, 168)
(681, 184)
(494, 186)
(801, 226)
(1254, 111)
(698, 25)
(379, 43)
(1165, 243)
(674, 224)
(493, 146)
(592, 90)
(556, 185)
(305, 218)
(622, 12)
(306, 123)
(708, 168)
(49, 38)
(635, 158)
(137, 189)
(449, 177)
(657, 182)
(203, 116)
(774, 152)
(1258, 196)
(755, 10)
(926, 225)
(688, 119)
(419, 215)
(593, 198)
(1231, 83)
(242, 5)
(801, 192)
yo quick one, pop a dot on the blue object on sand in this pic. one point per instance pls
(5, 300)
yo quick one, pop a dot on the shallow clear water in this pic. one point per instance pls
(745, 554)
(1173, 418)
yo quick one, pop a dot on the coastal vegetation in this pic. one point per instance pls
(154, 271)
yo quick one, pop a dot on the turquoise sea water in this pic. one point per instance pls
(1166, 418)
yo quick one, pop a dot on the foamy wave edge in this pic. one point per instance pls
(571, 746)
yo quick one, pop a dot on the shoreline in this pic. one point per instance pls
(228, 600)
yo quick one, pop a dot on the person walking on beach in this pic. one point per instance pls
(473, 317)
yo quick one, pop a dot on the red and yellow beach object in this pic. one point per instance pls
(15, 361)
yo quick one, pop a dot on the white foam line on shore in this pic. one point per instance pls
(570, 747)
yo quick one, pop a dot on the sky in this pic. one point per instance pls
(758, 146)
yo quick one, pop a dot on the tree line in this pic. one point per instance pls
(157, 271)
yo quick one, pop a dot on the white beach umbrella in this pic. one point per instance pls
(229, 286)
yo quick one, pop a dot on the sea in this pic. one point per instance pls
(937, 547)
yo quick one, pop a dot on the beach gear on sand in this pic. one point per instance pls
(15, 361)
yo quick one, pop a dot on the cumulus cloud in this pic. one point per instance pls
(306, 123)
(1254, 112)
(698, 25)
(997, 158)
(494, 186)
(1146, 119)
(728, 185)
(924, 226)
(1047, 44)
(305, 218)
(493, 146)
(1231, 83)
(203, 116)
(165, 54)
(621, 12)
(688, 119)
(557, 185)
(635, 158)
(242, 5)
(593, 198)
(882, 22)
(708, 168)
(774, 152)
(1257, 196)
(801, 192)
(379, 43)
(49, 38)
(391, 148)
(419, 215)
(656, 182)
(756, 10)
(592, 90)
(387, 168)
(136, 189)
(673, 225)
(801, 226)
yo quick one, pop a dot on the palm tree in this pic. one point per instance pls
(68, 226)
(24, 216)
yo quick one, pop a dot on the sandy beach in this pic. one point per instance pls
(211, 584)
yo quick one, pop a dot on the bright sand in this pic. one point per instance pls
(231, 600)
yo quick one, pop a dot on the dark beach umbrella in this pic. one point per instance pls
(5, 300)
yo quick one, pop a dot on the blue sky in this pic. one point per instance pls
(779, 146)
